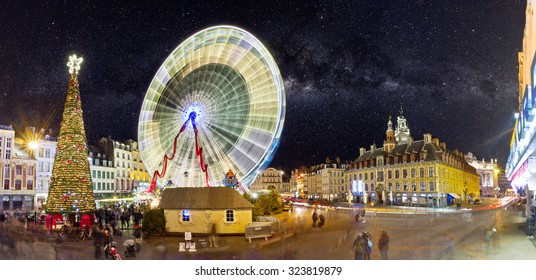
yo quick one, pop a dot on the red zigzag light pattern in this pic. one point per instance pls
(198, 153)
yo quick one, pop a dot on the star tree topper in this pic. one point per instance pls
(74, 64)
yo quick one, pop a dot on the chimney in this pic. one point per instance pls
(361, 151)
(427, 138)
(443, 145)
(373, 148)
(410, 141)
(435, 141)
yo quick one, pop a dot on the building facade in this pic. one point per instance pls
(46, 151)
(121, 156)
(138, 174)
(17, 174)
(488, 173)
(521, 165)
(102, 174)
(418, 173)
(268, 179)
(325, 181)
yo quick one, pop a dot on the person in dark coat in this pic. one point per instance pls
(98, 242)
(315, 218)
(106, 240)
(127, 218)
(359, 248)
(123, 222)
(383, 245)
(322, 220)
(368, 244)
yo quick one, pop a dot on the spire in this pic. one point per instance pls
(401, 111)
(389, 124)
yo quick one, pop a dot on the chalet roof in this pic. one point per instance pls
(203, 198)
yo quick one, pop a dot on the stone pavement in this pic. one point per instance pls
(297, 241)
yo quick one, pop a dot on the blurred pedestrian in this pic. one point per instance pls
(359, 247)
(315, 218)
(367, 239)
(213, 238)
(383, 245)
(97, 242)
(488, 238)
(106, 240)
(123, 222)
(322, 220)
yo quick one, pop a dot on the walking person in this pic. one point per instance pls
(359, 248)
(127, 219)
(97, 242)
(367, 239)
(315, 218)
(383, 245)
(488, 238)
(213, 238)
(123, 222)
(322, 220)
(106, 240)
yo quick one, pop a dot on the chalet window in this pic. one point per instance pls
(29, 185)
(18, 185)
(229, 216)
(431, 171)
(423, 187)
(6, 184)
(186, 215)
(404, 173)
(413, 173)
(432, 186)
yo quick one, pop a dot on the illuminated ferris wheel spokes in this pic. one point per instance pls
(230, 81)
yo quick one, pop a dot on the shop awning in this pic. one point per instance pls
(454, 195)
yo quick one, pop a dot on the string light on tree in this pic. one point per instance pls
(71, 189)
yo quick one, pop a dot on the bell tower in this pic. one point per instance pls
(402, 134)
(390, 142)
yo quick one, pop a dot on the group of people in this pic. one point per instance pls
(318, 220)
(363, 245)
(104, 241)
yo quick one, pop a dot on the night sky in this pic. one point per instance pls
(347, 66)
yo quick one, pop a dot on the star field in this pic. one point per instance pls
(347, 66)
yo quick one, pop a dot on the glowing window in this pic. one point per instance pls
(185, 215)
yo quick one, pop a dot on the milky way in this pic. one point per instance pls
(347, 66)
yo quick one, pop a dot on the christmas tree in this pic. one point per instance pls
(70, 187)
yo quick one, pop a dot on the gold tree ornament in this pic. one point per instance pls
(74, 64)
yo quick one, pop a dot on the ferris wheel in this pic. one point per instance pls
(216, 104)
